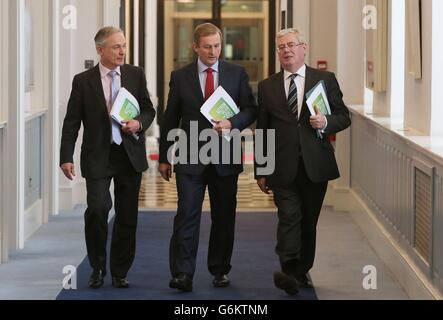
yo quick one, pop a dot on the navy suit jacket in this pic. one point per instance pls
(184, 102)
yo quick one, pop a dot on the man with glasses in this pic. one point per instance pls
(304, 161)
(190, 87)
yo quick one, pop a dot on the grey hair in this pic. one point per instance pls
(104, 33)
(298, 34)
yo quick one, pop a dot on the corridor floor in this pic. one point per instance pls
(36, 272)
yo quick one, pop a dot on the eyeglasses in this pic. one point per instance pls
(291, 46)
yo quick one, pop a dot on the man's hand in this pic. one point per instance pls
(131, 126)
(318, 121)
(223, 126)
(68, 170)
(165, 171)
(263, 185)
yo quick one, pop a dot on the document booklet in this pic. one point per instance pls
(219, 106)
(317, 98)
(125, 107)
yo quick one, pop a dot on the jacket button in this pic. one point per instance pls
(299, 125)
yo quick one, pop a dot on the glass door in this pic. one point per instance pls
(245, 26)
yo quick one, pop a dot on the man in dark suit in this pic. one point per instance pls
(189, 88)
(109, 152)
(304, 159)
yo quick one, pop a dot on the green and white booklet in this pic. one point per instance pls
(317, 98)
(218, 107)
(125, 108)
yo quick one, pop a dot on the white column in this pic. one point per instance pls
(151, 52)
(3, 117)
(53, 136)
(16, 126)
(397, 59)
(350, 75)
(111, 13)
(302, 21)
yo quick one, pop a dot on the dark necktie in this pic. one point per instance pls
(209, 86)
(293, 96)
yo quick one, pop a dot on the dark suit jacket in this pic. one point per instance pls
(293, 137)
(185, 100)
(87, 105)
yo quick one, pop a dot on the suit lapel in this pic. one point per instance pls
(123, 77)
(309, 84)
(222, 79)
(195, 82)
(96, 83)
(279, 85)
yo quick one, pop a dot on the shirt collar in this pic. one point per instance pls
(202, 67)
(301, 72)
(105, 71)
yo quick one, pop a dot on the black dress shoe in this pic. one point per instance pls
(181, 282)
(120, 282)
(96, 279)
(221, 281)
(304, 282)
(286, 282)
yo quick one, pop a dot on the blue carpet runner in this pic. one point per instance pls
(253, 263)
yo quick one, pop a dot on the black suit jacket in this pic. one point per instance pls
(185, 100)
(293, 137)
(87, 105)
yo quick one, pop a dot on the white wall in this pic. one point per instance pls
(75, 47)
(437, 68)
(418, 93)
(323, 30)
(350, 50)
(302, 20)
(3, 59)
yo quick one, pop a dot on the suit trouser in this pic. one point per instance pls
(184, 241)
(126, 189)
(299, 206)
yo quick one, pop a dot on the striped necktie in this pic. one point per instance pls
(293, 96)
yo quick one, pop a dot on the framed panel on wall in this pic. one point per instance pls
(413, 38)
(376, 35)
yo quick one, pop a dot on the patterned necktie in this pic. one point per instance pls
(116, 133)
(209, 86)
(293, 96)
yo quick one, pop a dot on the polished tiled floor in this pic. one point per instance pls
(157, 194)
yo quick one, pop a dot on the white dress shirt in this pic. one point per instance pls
(202, 74)
(299, 83)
